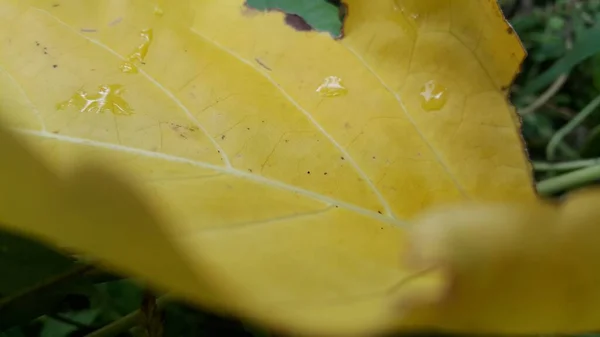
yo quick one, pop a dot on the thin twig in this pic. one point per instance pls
(552, 90)
(546, 96)
(66, 277)
(127, 322)
(152, 315)
(566, 113)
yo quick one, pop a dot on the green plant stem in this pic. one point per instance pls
(565, 166)
(569, 127)
(568, 180)
(546, 96)
(127, 322)
(566, 150)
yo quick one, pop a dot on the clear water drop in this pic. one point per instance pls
(433, 96)
(331, 87)
(107, 99)
(136, 58)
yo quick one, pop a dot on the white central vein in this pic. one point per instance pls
(166, 91)
(217, 168)
(387, 209)
(437, 155)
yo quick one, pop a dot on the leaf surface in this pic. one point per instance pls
(277, 169)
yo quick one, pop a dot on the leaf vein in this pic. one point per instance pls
(253, 223)
(22, 91)
(217, 168)
(411, 120)
(361, 173)
(166, 91)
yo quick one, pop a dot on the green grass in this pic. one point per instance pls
(558, 92)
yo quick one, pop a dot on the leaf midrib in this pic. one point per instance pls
(221, 169)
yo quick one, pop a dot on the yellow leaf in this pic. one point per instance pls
(528, 268)
(281, 167)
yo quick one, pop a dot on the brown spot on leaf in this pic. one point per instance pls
(296, 22)
(262, 64)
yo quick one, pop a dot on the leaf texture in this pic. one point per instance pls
(264, 197)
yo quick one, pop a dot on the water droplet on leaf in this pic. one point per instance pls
(332, 87)
(139, 54)
(158, 11)
(128, 67)
(433, 96)
(107, 99)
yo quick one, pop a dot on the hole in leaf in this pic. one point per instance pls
(319, 15)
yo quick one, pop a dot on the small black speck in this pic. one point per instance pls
(287, 140)
(219, 151)
(262, 121)
(381, 227)
(373, 157)
(307, 172)
(45, 52)
(250, 170)
(56, 5)
(223, 137)
(144, 63)
(37, 43)
(379, 212)
(247, 128)
(325, 173)
(336, 206)
(342, 158)
(55, 66)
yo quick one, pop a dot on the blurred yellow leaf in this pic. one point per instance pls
(280, 167)
(525, 268)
